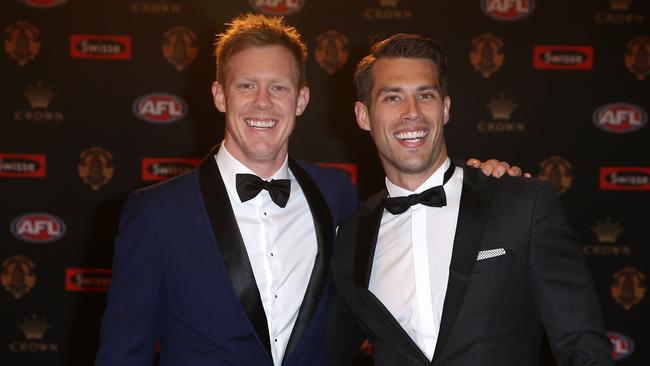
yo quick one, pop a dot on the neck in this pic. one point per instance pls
(411, 181)
(263, 167)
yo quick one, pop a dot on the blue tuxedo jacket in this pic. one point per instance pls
(181, 275)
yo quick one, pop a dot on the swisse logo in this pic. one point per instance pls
(100, 47)
(620, 117)
(43, 3)
(622, 345)
(563, 57)
(154, 169)
(22, 165)
(38, 227)
(160, 108)
(507, 9)
(277, 7)
(625, 178)
(87, 279)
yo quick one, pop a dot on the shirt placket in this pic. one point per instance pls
(422, 280)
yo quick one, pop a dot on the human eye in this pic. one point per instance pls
(244, 85)
(427, 96)
(392, 98)
(279, 88)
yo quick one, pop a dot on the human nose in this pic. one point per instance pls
(262, 99)
(412, 109)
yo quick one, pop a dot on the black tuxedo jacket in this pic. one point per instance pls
(496, 310)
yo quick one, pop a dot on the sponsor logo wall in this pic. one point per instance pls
(101, 100)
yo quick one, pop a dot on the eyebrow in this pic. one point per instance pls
(397, 89)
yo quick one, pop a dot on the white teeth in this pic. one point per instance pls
(411, 135)
(260, 123)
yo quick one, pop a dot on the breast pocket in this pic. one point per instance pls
(492, 259)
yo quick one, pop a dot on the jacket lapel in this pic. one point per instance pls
(231, 245)
(324, 228)
(475, 203)
(379, 319)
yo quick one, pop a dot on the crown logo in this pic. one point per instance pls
(34, 328)
(619, 5)
(388, 3)
(607, 231)
(39, 95)
(501, 108)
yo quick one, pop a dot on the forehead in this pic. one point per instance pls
(400, 71)
(268, 61)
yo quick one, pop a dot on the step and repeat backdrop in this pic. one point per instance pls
(99, 98)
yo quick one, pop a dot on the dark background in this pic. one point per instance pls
(553, 114)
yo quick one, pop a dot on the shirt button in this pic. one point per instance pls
(264, 213)
(276, 296)
(271, 254)
(275, 340)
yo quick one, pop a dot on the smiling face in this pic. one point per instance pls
(261, 99)
(405, 118)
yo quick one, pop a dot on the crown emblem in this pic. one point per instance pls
(502, 107)
(607, 231)
(388, 3)
(619, 5)
(34, 328)
(39, 95)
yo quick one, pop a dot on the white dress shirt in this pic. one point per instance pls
(281, 247)
(411, 264)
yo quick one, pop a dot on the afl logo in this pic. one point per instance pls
(620, 117)
(277, 7)
(507, 9)
(160, 108)
(622, 345)
(38, 227)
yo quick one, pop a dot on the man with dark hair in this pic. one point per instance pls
(447, 266)
(228, 264)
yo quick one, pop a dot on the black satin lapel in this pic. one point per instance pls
(369, 221)
(387, 327)
(324, 227)
(475, 203)
(379, 319)
(231, 245)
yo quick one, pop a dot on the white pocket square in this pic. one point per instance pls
(491, 253)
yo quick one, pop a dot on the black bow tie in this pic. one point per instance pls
(432, 197)
(250, 185)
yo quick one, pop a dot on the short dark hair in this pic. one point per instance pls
(249, 30)
(399, 45)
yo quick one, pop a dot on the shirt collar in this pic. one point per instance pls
(229, 167)
(434, 180)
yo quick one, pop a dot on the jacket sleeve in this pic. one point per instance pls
(563, 289)
(343, 336)
(132, 320)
